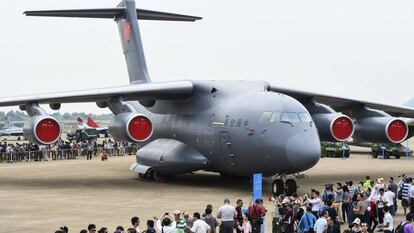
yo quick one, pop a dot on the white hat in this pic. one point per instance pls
(357, 221)
(177, 212)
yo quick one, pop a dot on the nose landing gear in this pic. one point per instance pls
(288, 187)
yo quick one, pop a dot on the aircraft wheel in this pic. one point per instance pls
(374, 155)
(151, 174)
(397, 154)
(278, 187)
(347, 154)
(387, 155)
(291, 187)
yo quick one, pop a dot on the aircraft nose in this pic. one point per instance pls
(303, 151)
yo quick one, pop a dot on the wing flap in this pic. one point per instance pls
(147, 91)
(339, 103)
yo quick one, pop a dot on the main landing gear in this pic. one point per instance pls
(152, 175)
(287, 187)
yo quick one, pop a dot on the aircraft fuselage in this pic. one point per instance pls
(239, 127)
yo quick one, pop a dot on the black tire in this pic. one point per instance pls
(396, 154)
(151, 174)
(291, 187)
(347, 154)
(278, 187)
(374, 155)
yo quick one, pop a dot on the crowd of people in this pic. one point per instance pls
(64, 150)
(363, 207)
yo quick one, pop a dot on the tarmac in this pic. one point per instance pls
(42, 196)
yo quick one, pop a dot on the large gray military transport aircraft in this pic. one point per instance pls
(230, 127)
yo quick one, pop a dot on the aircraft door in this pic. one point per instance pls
(225, 148)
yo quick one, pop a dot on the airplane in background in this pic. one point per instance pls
(235, 128)
(10, 129)
(91, 124)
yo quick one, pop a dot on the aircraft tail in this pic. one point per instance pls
(126, 15)
(92, 123)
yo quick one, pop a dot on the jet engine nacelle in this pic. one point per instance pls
(333, 126)
(44, 130)
(132, 127)
(380, 130)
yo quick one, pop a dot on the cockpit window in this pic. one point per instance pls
(304, 117)
(290, 117)
(266, 116)
(276, 117)
(271, 117)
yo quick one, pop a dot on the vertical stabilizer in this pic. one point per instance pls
(127, 16)
(132, 44)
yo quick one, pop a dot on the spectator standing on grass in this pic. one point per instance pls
(103, 230)
(307, 222)
(411, 196)
(339, 194)
(257, 213)
(199, 226)
(388, 225)
(135, 223)
(322, 223)
(333, 227)
(227, 213)
(210, 220)
(381, 201)
(315, 201)
(239, 218)
(394, 188)
(391, 200)
(165, 224)
(187, 219)
(345, 203)
(245, 227)
(120, 229)
(405, 199)
(360, 208)
(150, 227)
(356, 226)
(91, 228)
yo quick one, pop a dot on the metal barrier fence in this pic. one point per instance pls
(63, 154)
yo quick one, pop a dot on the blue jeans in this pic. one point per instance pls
(392, 210)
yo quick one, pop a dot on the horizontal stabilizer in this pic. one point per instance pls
(113, 13)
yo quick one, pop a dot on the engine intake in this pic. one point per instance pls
(381, 130)
(44, 130)
(131, 127)
(333, 126)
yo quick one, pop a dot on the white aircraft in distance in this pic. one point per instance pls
(10, 129)
(91, 124)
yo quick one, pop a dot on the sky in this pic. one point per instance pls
(358, 49)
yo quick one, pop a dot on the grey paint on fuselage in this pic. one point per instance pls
(221, 121)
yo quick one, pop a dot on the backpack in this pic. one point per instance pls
(399, 194)
(400, 227)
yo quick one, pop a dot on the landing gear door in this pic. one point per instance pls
(225, 148)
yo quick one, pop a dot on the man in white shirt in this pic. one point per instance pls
(391, 197)
(381, 201)
(199, 226)
(321, 225)
(388, 225)
(227, 214)
(315, 201)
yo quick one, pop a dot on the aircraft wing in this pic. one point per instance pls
(146, 91)
(339, 103)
